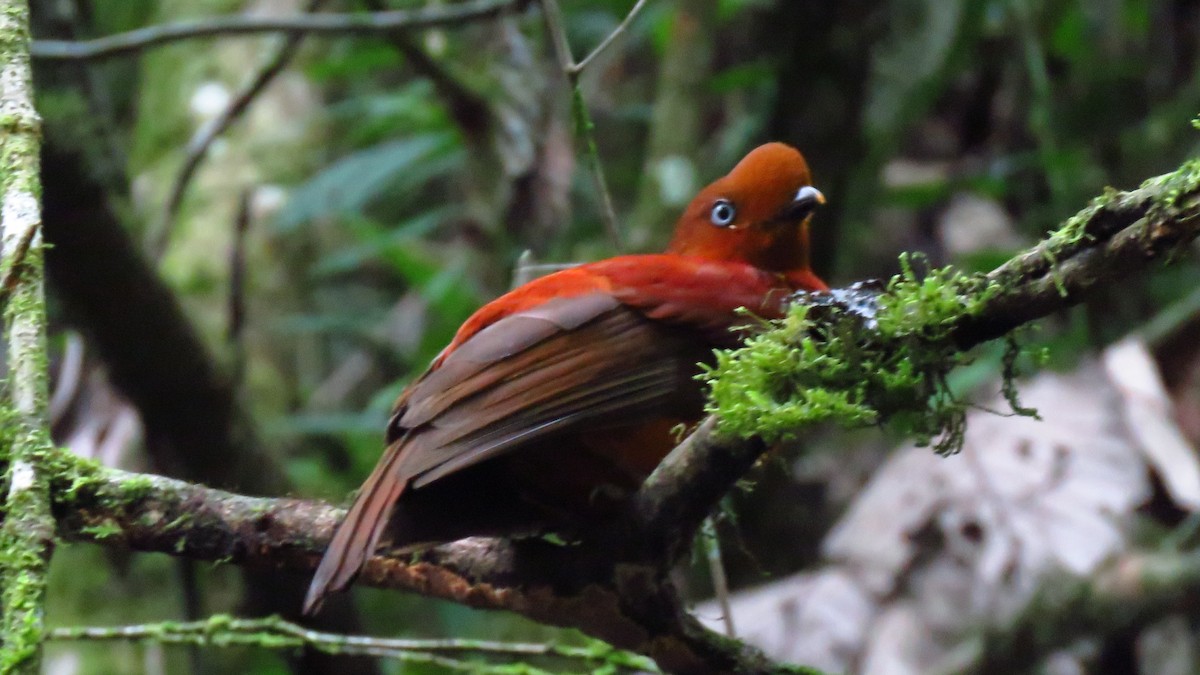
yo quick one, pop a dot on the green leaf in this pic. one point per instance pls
(742, 76)
(352, 183)
(372, 118)
(374, 240)
(354, 59)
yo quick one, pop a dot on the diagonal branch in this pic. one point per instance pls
(613, 584)
(470, 111)
(1119, 234)
(579, 67)
(1136, 590)
(139, 40)
(194, 427)
(200, 143)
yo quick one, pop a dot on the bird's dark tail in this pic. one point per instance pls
(358, 534)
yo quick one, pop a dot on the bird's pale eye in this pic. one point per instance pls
(723, 213)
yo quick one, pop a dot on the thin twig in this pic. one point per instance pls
(198, 147)
(236, 320)
(584, 129)
(558, 35)
(276, 633)
(138, 40)
(637, 7)
(193, 606)
(1041, 120)
(716, 568)
(528, 268)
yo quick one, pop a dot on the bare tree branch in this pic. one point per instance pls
(583, 63)
(136, 41)
(471, 111)
(235, 323)
(194, 427)
(613, 584)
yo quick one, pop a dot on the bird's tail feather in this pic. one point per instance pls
(358, 534)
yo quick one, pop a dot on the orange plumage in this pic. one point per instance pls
(571, 383)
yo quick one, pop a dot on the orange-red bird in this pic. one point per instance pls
(573, 382)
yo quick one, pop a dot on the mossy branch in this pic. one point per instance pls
(614, 585)
(454, 655)
(26, 536)
(1118, 234)
(608, 589)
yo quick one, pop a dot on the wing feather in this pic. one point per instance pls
(575, 362)
(617, 364)
(639, 392)
(498, 351)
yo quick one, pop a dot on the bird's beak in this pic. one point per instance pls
(807, 199)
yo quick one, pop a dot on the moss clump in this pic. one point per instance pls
(852, 367)
(794, 374)
(136, 488)
(70, 476)
(1173, 187)
(1166, 193)
(105, 529)
(1073, 233)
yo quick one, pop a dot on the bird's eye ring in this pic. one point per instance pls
(723, 213)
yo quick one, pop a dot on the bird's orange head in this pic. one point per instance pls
(757, 214)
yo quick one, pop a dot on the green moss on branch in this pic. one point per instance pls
(891, 366)
(855, 368)
(27, 533)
